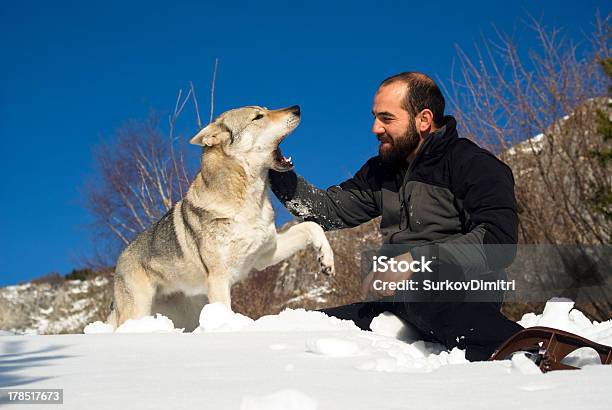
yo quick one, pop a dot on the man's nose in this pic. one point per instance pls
(377, 127)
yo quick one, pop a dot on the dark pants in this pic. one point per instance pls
(477, 327)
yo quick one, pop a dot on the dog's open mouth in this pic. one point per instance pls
(281, 163)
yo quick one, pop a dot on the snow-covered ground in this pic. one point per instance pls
(295, 360)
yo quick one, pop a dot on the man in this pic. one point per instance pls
(443, 199)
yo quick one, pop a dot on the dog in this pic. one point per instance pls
(222, 228)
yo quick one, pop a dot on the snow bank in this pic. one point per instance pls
(391, 355)
(147, 324)
(217, 317)
(383, 351)
(392, 346)
(302, 320)
(97, 327)
(299, 360)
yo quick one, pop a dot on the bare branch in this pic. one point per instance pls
(195, 103)
(536, 108)
(212, 91)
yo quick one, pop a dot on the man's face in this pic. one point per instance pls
(393, 126)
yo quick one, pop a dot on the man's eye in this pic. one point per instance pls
(258, 117)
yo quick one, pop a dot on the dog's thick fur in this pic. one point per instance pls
(221, 229)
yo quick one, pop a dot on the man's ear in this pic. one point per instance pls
(210, 135)
(425, 120)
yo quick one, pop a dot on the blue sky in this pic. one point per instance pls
(72, 73)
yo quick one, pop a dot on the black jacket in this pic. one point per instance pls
(455, 201)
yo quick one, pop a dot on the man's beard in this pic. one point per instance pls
(398, 149)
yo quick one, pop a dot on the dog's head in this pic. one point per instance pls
(252, 134)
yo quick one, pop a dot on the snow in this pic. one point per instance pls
(297, 359)
(530, 145)
(148, 324)
(522, 364)
(559, 313)
(287, 399)
(535, 144)
(316, 294)
(47, 309)
(299, 207)
(99, 327)
(387, 324)
(217, 317)
(302, 320)
(333, 347)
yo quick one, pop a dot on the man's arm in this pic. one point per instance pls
(485, 185)
(340, 206)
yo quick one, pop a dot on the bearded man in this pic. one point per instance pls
(445, 202)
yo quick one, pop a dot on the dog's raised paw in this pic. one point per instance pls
(325, 254)
(326, 263)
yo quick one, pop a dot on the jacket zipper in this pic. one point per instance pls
(402, 189)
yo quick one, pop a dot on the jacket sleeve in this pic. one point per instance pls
(485, 187)
(348, 204)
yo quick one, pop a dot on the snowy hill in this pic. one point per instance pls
(557, 175)
(47, 308)
(295, 360)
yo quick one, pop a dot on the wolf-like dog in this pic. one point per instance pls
(221, 229)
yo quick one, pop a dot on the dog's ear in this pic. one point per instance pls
(211, 135)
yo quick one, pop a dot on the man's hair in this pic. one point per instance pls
(421, 92)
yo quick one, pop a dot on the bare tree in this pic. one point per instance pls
(142, 174)
(504, 96)
(537, 109)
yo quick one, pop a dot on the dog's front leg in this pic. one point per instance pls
(296, 238)
(219, 290)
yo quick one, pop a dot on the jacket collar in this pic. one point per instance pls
(435, 145)
(438, 141)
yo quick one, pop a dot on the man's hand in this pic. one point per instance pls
(367, 286)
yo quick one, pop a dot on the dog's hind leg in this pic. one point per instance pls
(134, 293)
(112, 319)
